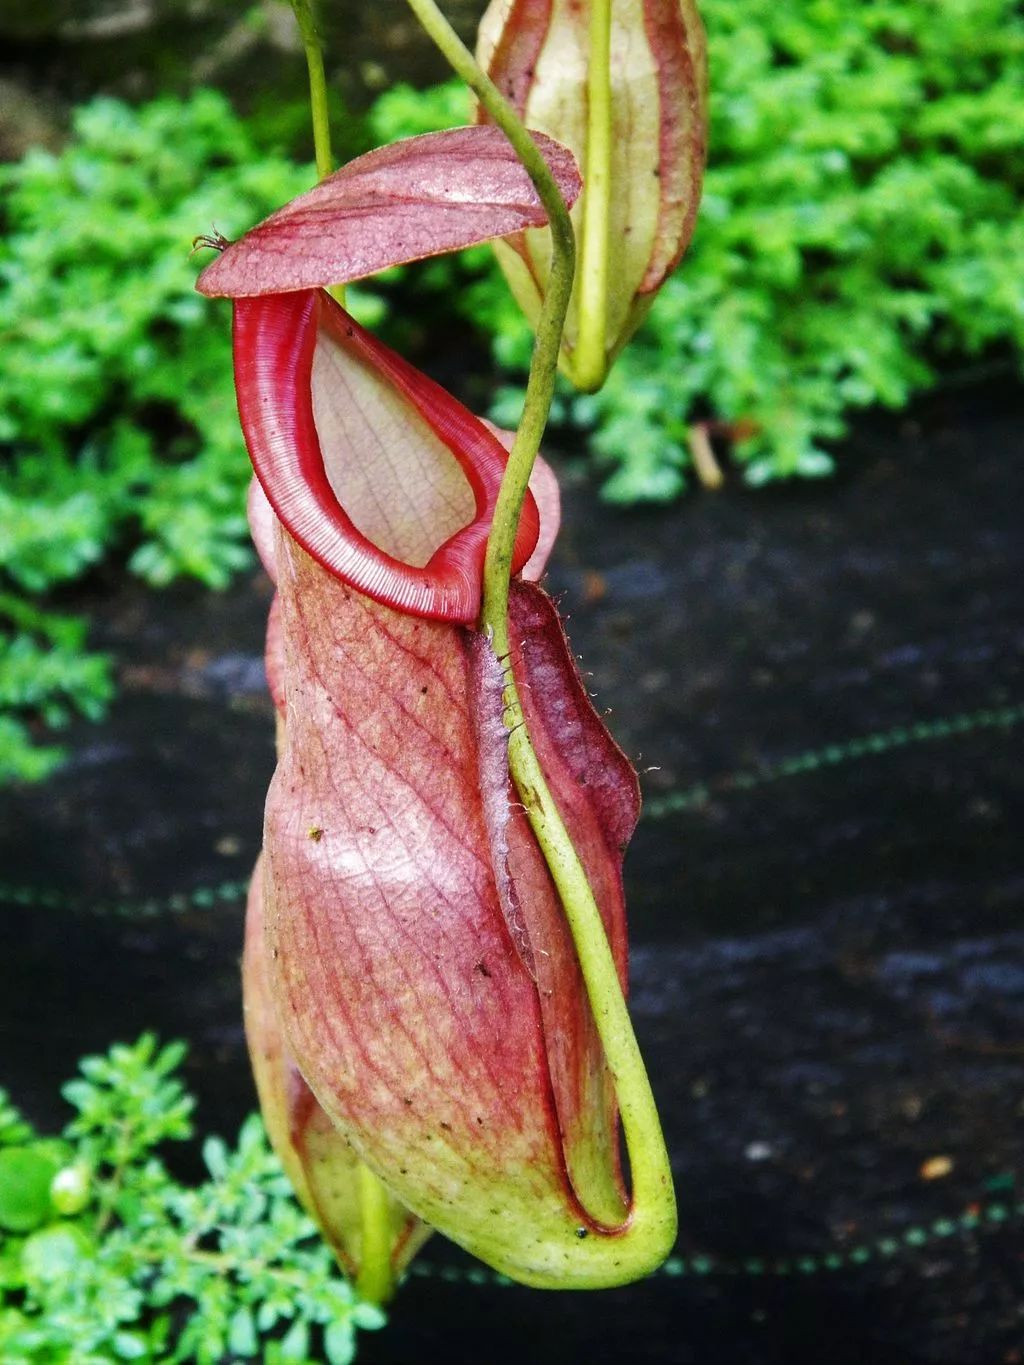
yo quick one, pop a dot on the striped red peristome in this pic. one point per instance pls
(275, 337)
(411, 199)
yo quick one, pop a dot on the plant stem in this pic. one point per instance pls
(465, 65)
(649, 1232)
(589, 358)
(312, 43)
(309, 28)
(376, 1281)
(702, 452)
(541, 385)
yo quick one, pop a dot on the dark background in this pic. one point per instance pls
(828, 980)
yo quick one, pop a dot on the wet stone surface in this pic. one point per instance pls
(828, 963)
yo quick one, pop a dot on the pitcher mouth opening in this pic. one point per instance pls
(379, 473)
(402, 487)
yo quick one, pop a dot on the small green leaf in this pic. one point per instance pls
(369, 1317)
(295, 1342)
(215, 1155)
(242, 1338)
(340, 1343)
(25, 1177)
(54, 1253)
(12, 1274)
(129, 1346)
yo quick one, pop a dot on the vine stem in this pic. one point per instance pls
(589, 363)
(650, 1230)
(375, 1281)
(309, 28)
(308, 21)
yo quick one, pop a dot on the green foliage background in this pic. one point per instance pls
(106, 1257)
(862, 221)
(116, 408)
(861, 224)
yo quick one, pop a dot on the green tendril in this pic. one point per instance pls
(648, 1233)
